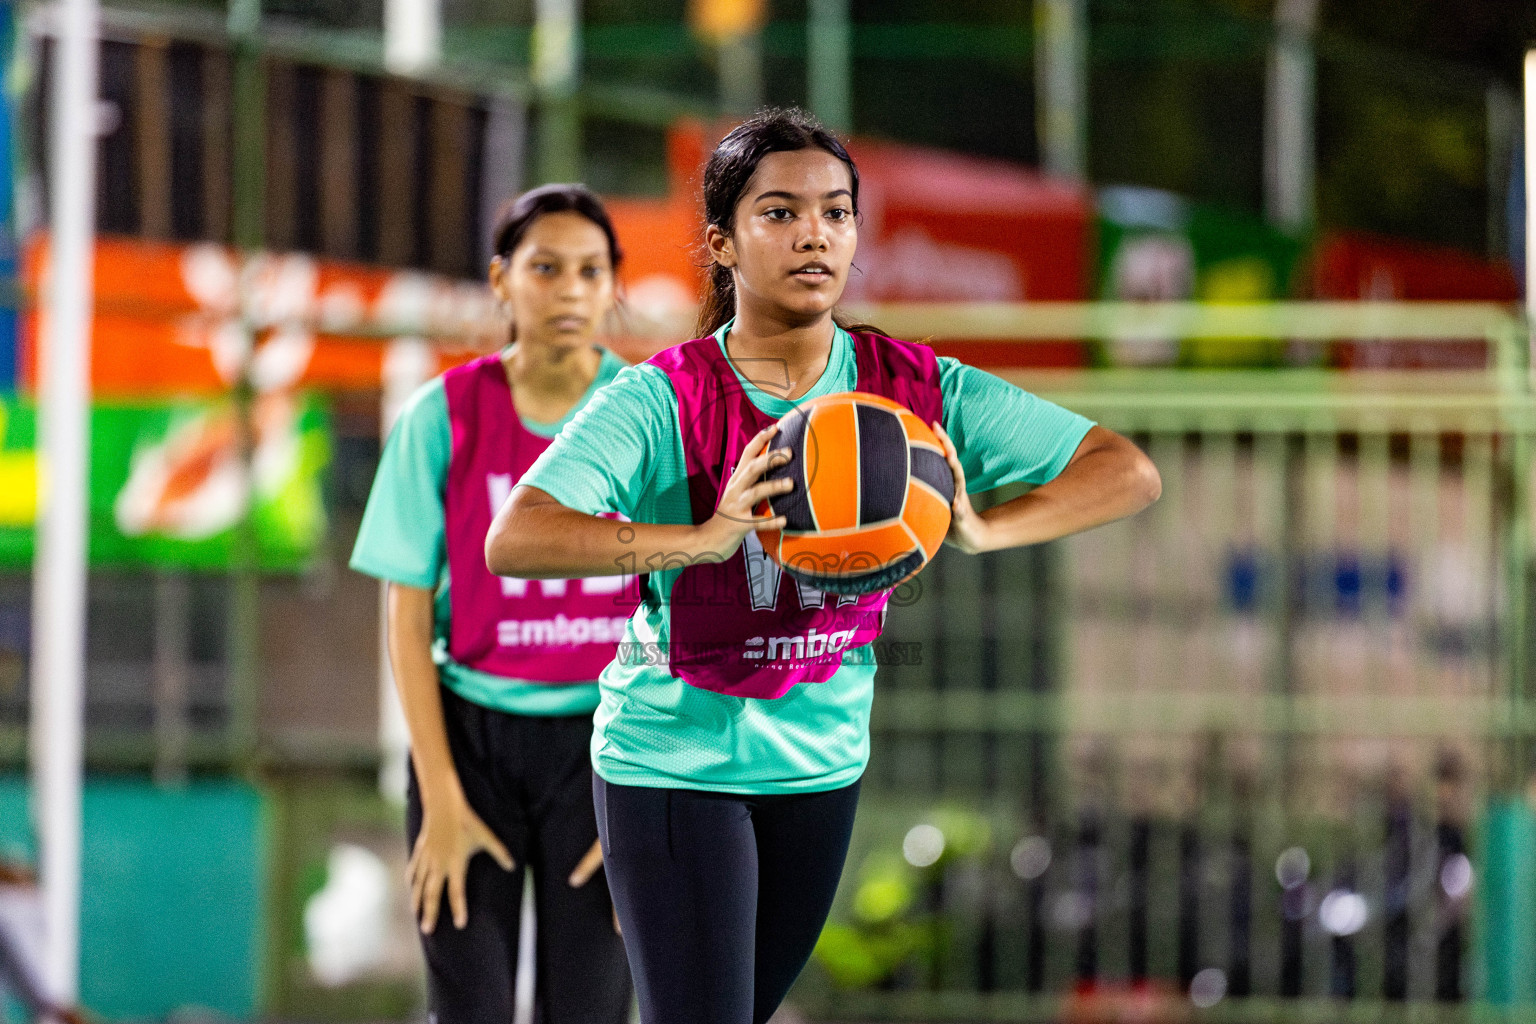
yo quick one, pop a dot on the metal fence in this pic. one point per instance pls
(1257, 752)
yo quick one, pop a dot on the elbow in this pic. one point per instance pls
(1146, 482)
(498, 557)
(503, 556)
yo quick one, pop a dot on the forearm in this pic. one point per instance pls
(416, 680)
(1109, 480)
(536, 537)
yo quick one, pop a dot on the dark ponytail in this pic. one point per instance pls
(727, 174)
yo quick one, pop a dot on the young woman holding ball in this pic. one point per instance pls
(725, 818)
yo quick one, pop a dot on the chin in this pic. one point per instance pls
(562, 342)
(809, 307)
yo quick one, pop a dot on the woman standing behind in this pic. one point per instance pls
(496, 675)
(726, 816)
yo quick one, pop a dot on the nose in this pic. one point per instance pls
(814, 241)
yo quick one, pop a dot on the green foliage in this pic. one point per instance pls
(886, 888)
(967, 834)
(891, 927)
(862, 957)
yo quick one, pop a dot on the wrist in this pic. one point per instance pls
(986, 536)
(709, 540)
(444, 795)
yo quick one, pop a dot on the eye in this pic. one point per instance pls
(778, 213)
(591, 273)
(840, 213)
(543, 267)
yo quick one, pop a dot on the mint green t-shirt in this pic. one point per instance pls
(403, 539)
(624, 453)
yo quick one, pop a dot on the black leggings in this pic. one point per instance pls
(722, 897)
(527, 778)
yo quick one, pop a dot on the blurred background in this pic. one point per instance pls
(1267, 751)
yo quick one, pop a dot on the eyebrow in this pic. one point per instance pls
(593, 254)
(791, 195)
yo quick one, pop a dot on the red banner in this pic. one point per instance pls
(1358, 266)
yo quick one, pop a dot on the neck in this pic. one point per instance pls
(784, 357)
(545, 369)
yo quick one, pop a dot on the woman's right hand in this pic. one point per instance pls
(736, 513)
(451, 834)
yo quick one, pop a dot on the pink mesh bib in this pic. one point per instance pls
(741, 626)
(546, 631)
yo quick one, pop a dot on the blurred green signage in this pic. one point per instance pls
(1160, 247)
(168, 487)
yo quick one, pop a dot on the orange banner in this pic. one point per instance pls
(181, 320)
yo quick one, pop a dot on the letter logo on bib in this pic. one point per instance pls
(499, 486)
(764, 574)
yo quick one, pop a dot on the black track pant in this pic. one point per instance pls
(530, 779)
(722, 897)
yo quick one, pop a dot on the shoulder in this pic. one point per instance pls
(694, 355)
(687, 367)
(640, 378)
(955, 377)
(900, 358)
(426, 409)
(638, 392)
(863, 335)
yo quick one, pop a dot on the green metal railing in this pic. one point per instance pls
(1316, 641)
(1248, 755)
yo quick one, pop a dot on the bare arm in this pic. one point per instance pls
(451, 831)
(535, 537)
(1107, 478)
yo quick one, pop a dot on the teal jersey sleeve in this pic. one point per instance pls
(610, 456)
(1003, 434)
(402, 538)
(403, 534)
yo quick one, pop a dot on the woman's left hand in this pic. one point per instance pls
(967, 530)
(590, 862)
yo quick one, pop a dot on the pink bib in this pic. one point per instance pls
(544, 631)
(741, 626)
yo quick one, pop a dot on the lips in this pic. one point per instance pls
(813, 272)
(568, 323)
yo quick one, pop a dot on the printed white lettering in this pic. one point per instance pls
(781, 648)
(499, 486)
(813, 645)
(560, 631)
(512, 586)
(764, 574)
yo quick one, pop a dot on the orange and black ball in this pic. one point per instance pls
(871, 498)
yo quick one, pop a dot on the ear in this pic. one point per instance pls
(719, 245)
(497, 278)
(615, 294)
